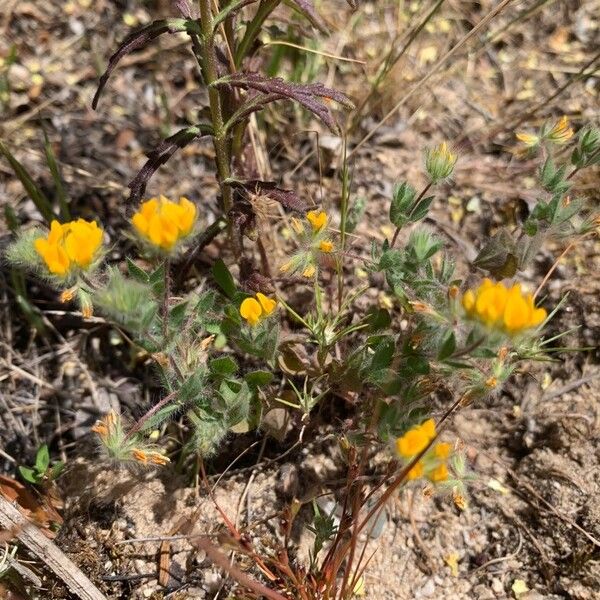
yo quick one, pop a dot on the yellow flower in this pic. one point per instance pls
(255, 309)
(100, 428)
(164, 223)
(416, 439)
(415, 472)
(442, 450)
(107, 425)
(529, 139)
(491, 382)
(309, 271)
(504, 308)
(459, 500)
(69, 246)
(318, 220)
(285, 267)
(438, 474)
(68, 295)
(149, 456)
(326, 246)
(560, 132)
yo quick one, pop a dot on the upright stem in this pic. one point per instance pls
(208, 58)
(165, 304)
(343, 223)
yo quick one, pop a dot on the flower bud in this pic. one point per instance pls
(439, 162)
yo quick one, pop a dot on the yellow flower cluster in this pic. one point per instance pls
(164, 223)
(433, 464)
(149, 457)
(502, 307)
(256, 309)
(560, 133)
(69, 246)
(107, 425)
(315, 242)
(110, 430)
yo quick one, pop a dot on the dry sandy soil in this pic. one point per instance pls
(533, 511)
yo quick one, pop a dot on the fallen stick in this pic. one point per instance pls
(48, 552)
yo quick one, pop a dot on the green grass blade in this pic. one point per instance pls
(63, 200)
(33, 191)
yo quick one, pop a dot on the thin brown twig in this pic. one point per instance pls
(222, 561)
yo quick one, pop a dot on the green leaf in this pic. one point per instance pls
(193, 387)
(417, 364)
(401, 204)
(177, 314)
(33, 191)
(157, 280)
(258, 378)
(161, 416)
(448, 345)
(56, 470)
(137, 273)
(378, 319)
(223, 366)
(224, 279)
(383, 355)
(42, 459)
(420, 210)
(29, 475)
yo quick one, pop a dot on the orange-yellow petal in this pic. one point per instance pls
(326, 246)
(415, 472)
(468, 301)
(309, 271)
(267, 304)
(318, 220)
(443, 450)
(412, 442)
(251, 310)
(428, 429)
(438, 474)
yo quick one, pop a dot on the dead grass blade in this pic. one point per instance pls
(435, 69)
(48, 552)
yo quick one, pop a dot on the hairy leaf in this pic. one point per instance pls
(252, 104)
(308, 95)
(162, 153)
(139, 38)
(189, 11)
(287, 198)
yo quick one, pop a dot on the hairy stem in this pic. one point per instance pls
(208, 60)
(165, 303)
(140, 422)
